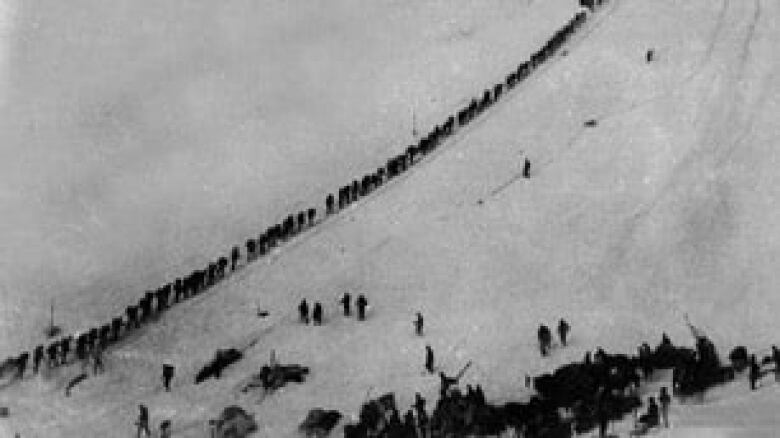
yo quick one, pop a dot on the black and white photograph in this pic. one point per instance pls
(389, 218)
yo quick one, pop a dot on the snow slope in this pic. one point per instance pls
(668, 206)
(140, 140)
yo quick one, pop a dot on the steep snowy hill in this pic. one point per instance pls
(667, 206)
(140, 141)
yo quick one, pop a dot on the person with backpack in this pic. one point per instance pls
(167, 375)
(545, 338)
(361, 303)
(418, 324)
(303, 311)
(346, 301)
(316, 314)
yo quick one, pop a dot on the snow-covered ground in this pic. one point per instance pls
(668, 206)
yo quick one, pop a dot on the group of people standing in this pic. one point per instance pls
(545, 338)
(317, 315)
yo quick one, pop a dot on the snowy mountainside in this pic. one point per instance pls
(665, 207)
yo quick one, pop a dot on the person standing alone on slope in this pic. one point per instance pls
(429, 359)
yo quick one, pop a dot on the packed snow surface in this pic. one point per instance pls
(141, 141)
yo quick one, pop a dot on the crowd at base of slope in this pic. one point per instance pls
(576, 398)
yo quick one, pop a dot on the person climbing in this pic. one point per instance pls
(361, 303)
(167, 375)
(563, 330)
(316, 314)
(37, 358)
(665, 400)
(754, 373)
(429, 359)
(303, 311)
(97, 360)
(51, 352)
(418, 324)
(346, 301)
(143, 421)
(21, 363)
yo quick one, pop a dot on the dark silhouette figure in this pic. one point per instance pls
(21, 362)
(311, 215)
(665, 400)
(346, 302)
(65, 348)
(167, 375)
(51, 352)
(563, 330)
(37, 358)
(303, 311)
(419, 405)
(235, 254)
(776, 360)
(116, 327)
(330, 204)
(527, 169)
(418, 324)
(429, 359)
(754, 373)
(545, 339)
(361, 303)
(143, 421)
(316, 314)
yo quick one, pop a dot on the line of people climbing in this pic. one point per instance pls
(95, 340)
